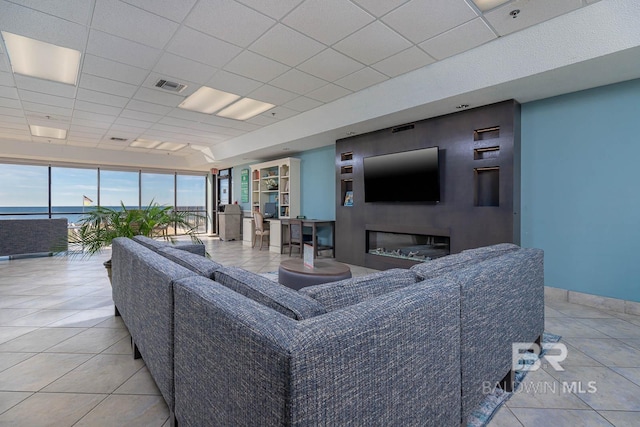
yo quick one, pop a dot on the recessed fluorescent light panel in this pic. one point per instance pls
(42, 60)
(46, 132)
(245, 109)
(144, 143)
(207, 100)
(485, 5)
(171, 146)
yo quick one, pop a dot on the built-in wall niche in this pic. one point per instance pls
(483, 153)
(346, 169)
(408, 246)
(347, 156)
(486, 133)
(487, 186)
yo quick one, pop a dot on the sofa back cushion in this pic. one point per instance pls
(343, 293)
(287, 301)
(439, 266)
(156, 245)
(196, 263)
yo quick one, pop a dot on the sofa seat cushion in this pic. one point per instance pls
(287, 301)
(196, 263)
(156, 245)
(336, 295)
(446, 264)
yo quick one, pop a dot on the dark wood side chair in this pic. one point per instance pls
(295, 235)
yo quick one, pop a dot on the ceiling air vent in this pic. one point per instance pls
(402, 128)
(115, 138)
(170, 86)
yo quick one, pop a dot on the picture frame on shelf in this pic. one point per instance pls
(348, 198)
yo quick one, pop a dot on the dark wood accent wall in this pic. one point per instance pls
(479, 155)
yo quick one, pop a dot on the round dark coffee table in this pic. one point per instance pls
(294, 274)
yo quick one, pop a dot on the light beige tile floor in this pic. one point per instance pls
(65, 360)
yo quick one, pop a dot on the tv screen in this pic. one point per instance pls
(408, 176)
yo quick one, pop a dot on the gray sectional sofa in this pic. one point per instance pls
(399, 347)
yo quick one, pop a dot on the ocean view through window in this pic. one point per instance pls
(42, 191)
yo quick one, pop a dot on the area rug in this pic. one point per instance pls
(494, 401)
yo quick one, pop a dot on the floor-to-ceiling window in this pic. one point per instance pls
(191, 198)
(44, 191)
(24, 190)
(119, 187)
(73, 192)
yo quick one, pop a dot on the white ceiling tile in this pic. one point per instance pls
(200, 47)
(10, 103)
(101, 84)
(97, 108)
(148, 107)
(220, 19)
(361, 79)
(372, 43)
(170, 9)
(460, 39)
(4, 111)
(531, 13)
(121, 50)
(158, 97)
(77, 143)
(255, 67)
(330, 65)
(41, 26)
(123, 20)
(177, 67)
(6, 79)
(8, 92)
(124, 123)
(262, 120)
(77, 121)
(20, 125)
(280, 113)
(403, 62)
(43, 120)
(298, 82)
(329, 93)
(139, 115)
(78, 11)
(233, 83)
(328, 20)
(41, 98)
(119, 128)
(286, 45)
(272, 95)
(5, 67)
(273, 8)
(49, 110)
(86, 131)
(108, 146)
(45, 86)
(379, 8)
(419, 20)
(101, 98)
(302, 103)
(13, 119)
(87, 115)
(107, 68)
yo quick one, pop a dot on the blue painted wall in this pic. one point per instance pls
(317, 183)
(581, 189)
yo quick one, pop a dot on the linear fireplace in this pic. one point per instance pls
(414, 247)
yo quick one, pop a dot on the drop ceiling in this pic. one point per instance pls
(330, 67)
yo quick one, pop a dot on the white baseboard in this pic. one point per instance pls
(595, 301)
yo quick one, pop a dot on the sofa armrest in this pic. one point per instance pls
(391, 360)
(194, 248)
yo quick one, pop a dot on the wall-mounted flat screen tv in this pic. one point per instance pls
(408, 176)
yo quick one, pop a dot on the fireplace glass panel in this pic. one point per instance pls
(415, 247)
